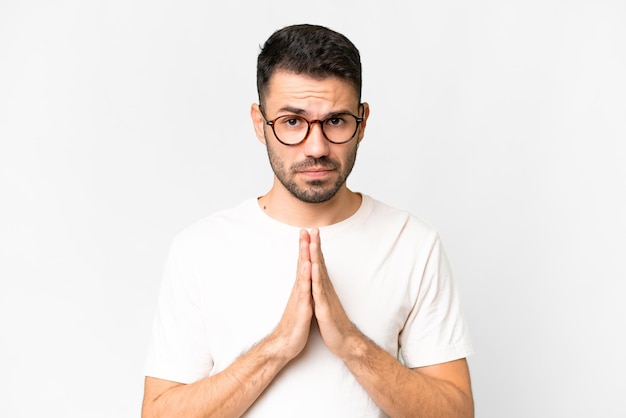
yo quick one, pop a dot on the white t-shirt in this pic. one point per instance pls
(228, 278)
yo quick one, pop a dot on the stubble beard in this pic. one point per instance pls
(317, 191)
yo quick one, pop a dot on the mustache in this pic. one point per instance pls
(323, 162)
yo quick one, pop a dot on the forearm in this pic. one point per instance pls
(404, 392)
(226, 394)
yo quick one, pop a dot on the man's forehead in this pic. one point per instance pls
(284, 85)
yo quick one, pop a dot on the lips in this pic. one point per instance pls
(316, 164)
(315, 168)
(316, 172)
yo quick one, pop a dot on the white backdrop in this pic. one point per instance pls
(502, 123)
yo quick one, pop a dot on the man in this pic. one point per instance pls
(252, 322)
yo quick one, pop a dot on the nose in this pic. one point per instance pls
(315, 144)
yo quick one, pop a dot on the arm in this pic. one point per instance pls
(441, 390)
(226, 394)
(231, 392)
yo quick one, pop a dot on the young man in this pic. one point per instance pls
(300, 303)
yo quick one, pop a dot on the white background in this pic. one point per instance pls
(501, 123)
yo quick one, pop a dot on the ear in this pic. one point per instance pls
(258, 122)
(366, 114)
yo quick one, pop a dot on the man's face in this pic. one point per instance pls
(316, 169)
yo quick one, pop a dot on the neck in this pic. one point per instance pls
(281, 205)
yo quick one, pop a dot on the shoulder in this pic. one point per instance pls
(385, 216)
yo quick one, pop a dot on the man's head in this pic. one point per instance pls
(310, 115)
(310, 50)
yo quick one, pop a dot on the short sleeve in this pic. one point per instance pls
(435, 331)
(179, 350)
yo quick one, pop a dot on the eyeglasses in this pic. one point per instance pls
(293, 129)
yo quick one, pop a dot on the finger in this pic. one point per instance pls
(316, 248)
(303, 282)
(315, 235)
(319, 292)
(304, 263)
(316, 279)
(304, 253)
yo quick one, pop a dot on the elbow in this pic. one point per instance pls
(467, 409)
(148, 410)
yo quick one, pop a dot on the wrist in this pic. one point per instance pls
(275, 347)
(356, 347)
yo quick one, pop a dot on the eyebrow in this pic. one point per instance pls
(293, 110)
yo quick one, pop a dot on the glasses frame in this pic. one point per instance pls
(311, 122)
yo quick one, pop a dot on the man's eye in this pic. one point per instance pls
(336, 121)
(291, 121)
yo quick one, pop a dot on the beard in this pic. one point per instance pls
(314, 191)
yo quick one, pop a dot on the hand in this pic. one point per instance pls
(335, 326)
(293, 329)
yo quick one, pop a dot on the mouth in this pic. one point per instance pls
(316, 172)
(315, 169)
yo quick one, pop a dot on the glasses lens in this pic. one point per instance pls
(340, 128)
(292, 129)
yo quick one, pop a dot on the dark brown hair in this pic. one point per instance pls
(315, 51)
